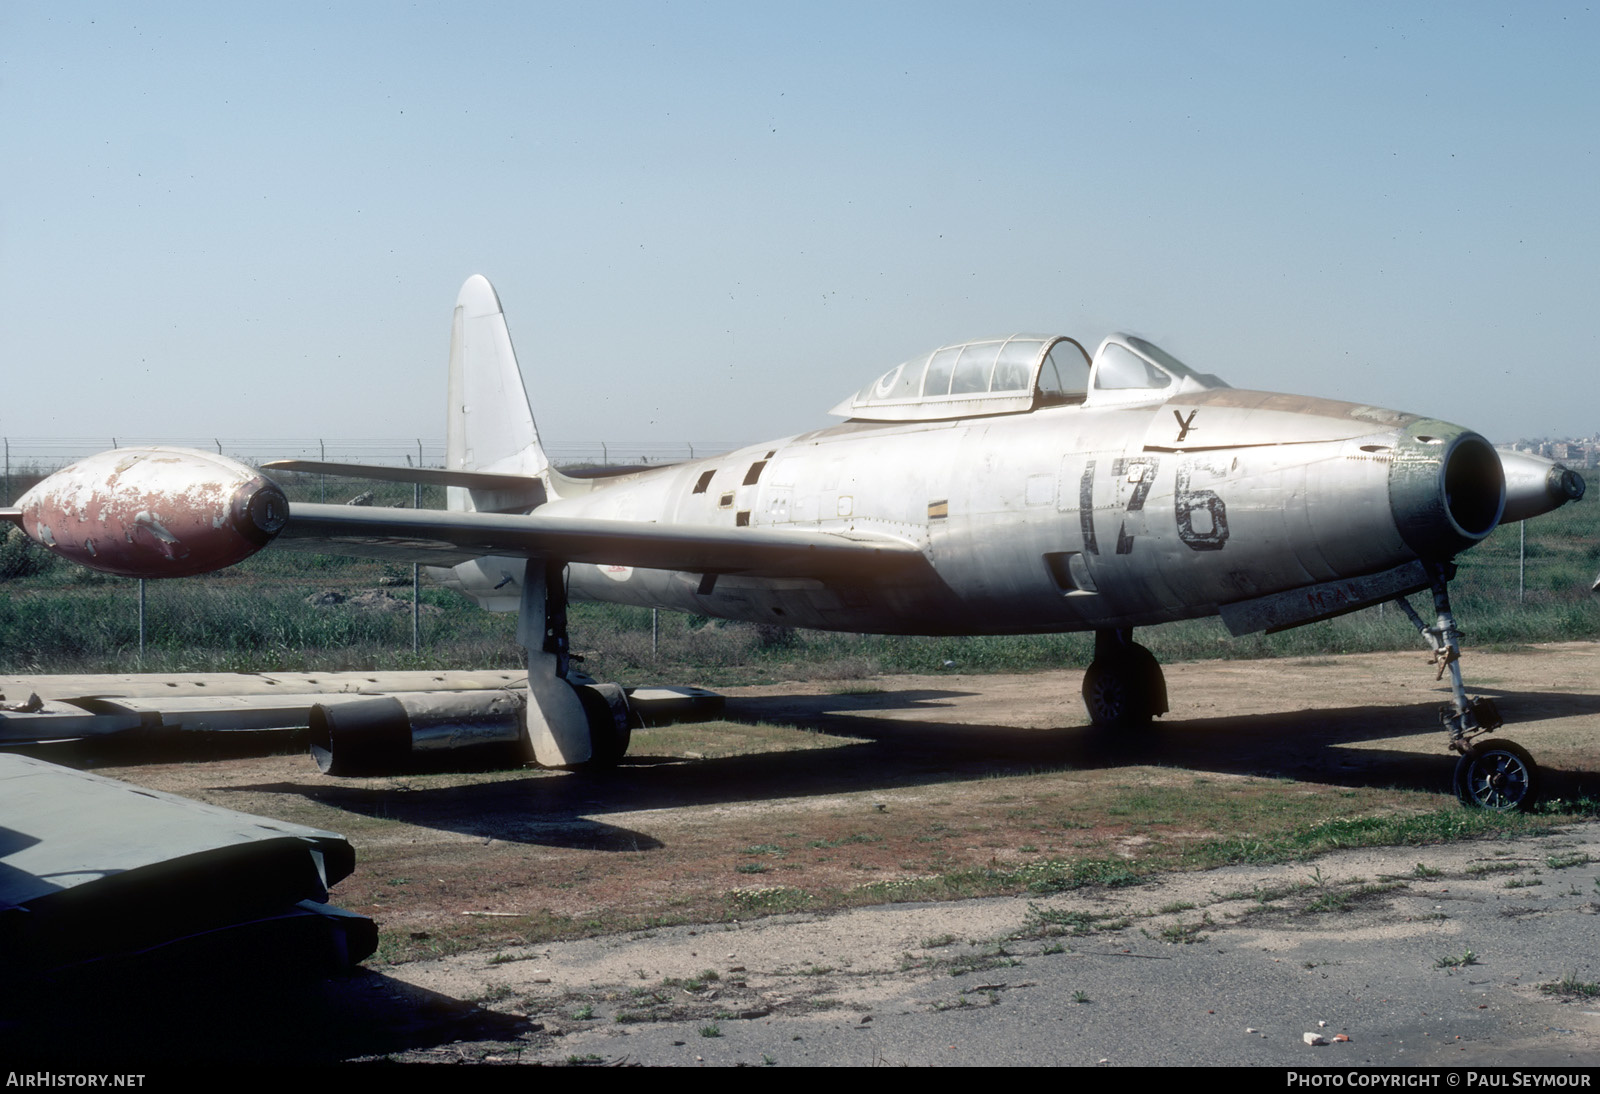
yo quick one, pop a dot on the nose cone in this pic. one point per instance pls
(1446, 488)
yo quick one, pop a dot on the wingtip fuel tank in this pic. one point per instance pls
(154, 512)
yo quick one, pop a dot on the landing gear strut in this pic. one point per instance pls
(1123, 686)
(571, 720)
(1491, 774)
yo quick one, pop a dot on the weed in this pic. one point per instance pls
(1567, 861)
(1467, 957)
(1478, 869)
(1342, 900)
(858, 837)
(1571, 987)
(1185, 933)
(997, 958)
(1048, 922)
(1426, 871)
(937, 941)
(711, 1030)
(583, 1013)
(492, 994)
(1081, 997)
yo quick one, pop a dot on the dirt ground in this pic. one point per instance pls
(854, 790)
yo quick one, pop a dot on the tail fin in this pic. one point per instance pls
(489, 424)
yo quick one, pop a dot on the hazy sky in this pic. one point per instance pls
(712, 220)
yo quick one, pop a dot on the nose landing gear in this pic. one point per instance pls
(1491, 774)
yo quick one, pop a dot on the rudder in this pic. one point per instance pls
(489, 423)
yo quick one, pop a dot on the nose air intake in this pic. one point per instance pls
(1447, 489)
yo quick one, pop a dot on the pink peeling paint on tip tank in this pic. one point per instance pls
(154, 512)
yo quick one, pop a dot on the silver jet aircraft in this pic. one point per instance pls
(1016, 485)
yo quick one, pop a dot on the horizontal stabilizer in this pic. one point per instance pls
(427, 476)
(444, 538)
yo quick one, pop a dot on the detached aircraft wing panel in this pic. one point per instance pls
(444, 538)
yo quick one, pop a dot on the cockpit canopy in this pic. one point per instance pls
(1021, 373)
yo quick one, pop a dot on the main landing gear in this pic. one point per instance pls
(1491, 774)
(1123, 686)
(571, 720)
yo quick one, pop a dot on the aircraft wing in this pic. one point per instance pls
(442, 538)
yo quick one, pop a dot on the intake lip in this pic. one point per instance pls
(1447, 489)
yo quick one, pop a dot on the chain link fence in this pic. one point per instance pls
(280, 610)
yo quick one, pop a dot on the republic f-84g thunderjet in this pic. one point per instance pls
(1005, 486)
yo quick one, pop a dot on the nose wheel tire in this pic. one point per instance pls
(1497, 775)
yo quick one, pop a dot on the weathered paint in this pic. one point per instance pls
(1072, 517)
(154, 512)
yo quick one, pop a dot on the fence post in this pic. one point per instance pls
(416, 582)
(1522, 557)
(416, 569)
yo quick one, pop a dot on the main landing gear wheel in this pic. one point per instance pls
(610, 731)
(1124, 689)
(1497, 775)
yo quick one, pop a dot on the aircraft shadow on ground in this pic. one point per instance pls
(881, 753)
(162, 1014)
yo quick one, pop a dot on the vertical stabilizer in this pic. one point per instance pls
(489, 424)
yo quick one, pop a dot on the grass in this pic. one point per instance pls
(1285, 824)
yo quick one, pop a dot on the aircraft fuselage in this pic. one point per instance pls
(1065, 518)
